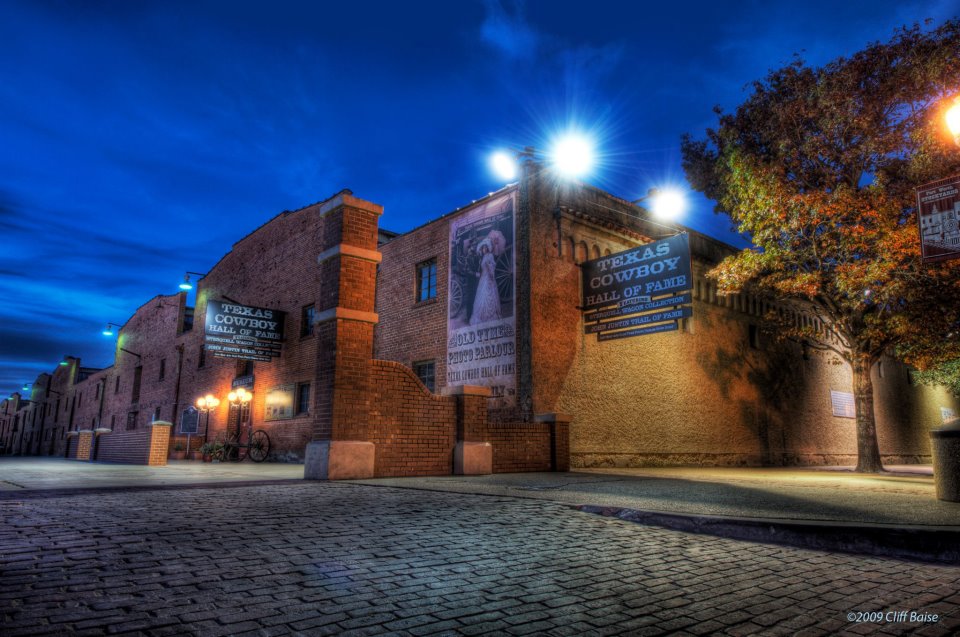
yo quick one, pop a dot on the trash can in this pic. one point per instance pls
(946, 460)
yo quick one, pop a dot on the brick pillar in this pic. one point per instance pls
(473, 454)
(341, 448)
(158, 443)
(84, 444)
(559, 440)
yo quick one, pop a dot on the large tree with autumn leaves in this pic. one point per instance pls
(819, 167)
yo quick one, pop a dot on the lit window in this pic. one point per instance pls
(427, 280)
(425, 371)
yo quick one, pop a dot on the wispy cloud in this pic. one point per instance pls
(506, 30)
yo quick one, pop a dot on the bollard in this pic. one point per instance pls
(946, 460)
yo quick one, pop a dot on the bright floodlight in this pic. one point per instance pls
(504, 165)
(573, 155)
(953, 120)
(668, 204)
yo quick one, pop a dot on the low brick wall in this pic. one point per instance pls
(520, 447)
(146, 445)
(414, 431)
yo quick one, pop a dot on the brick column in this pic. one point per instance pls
(158, 443)
(559, 439)
(341, 448)
(84, 444)
(473, 453)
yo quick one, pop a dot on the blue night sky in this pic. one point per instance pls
(139, 140)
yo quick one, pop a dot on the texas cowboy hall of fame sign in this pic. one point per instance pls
(643, 290)
(243, 331)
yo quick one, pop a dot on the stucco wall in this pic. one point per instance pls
(703, 394)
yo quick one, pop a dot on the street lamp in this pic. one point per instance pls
(953, 120)
(206, 404)
(108, 330)
(240, 398)
(186, 285)
(665, 203)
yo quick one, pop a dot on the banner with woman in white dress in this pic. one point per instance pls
(481, 312)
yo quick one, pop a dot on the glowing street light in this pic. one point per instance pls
(572, 155)
(504, 165)
(186, 285)
(206, 404)
(953, 120)
(665, 203)
(108, 330)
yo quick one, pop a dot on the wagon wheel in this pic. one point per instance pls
(503, 272)
(456, 296)
(259, 446)
(232, 452)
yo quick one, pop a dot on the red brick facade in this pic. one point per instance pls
(703, 394)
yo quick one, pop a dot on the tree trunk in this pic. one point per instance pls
(868, 451)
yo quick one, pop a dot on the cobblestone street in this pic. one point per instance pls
(346, 559)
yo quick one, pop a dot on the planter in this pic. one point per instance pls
(178, 455)
(207, 458)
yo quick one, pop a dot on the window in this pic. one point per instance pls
(307, 317)
(425, 372)
(303, 398)
(163, 369)
(187, 319)
(137, 377)
(156, 414)
(113, 421)
(202, 358)
(244, 368)
(132, 420)
(56, 411)
(97, 391)
(754, 337)
(426, 280)
(116, 387)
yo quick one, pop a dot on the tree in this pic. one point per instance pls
(818, 166)
(946, 374)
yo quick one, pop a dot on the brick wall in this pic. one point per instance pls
(125, 446)
(409, 331)
(414, 430)
(519, 447)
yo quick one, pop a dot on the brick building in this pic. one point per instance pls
(460, 346)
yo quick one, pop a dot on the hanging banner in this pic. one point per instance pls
(243, 331)
(938, 212)
(481, 311)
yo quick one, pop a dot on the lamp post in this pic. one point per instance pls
(206, 404)
(240, 398)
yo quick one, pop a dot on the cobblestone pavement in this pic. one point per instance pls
(327, 558)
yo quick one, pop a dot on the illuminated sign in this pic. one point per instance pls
(243, 331)
(641, 289)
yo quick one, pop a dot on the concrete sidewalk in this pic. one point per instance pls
(19, 474)
(895, 513)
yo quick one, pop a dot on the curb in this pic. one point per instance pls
(932, 544)
(34, 494)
